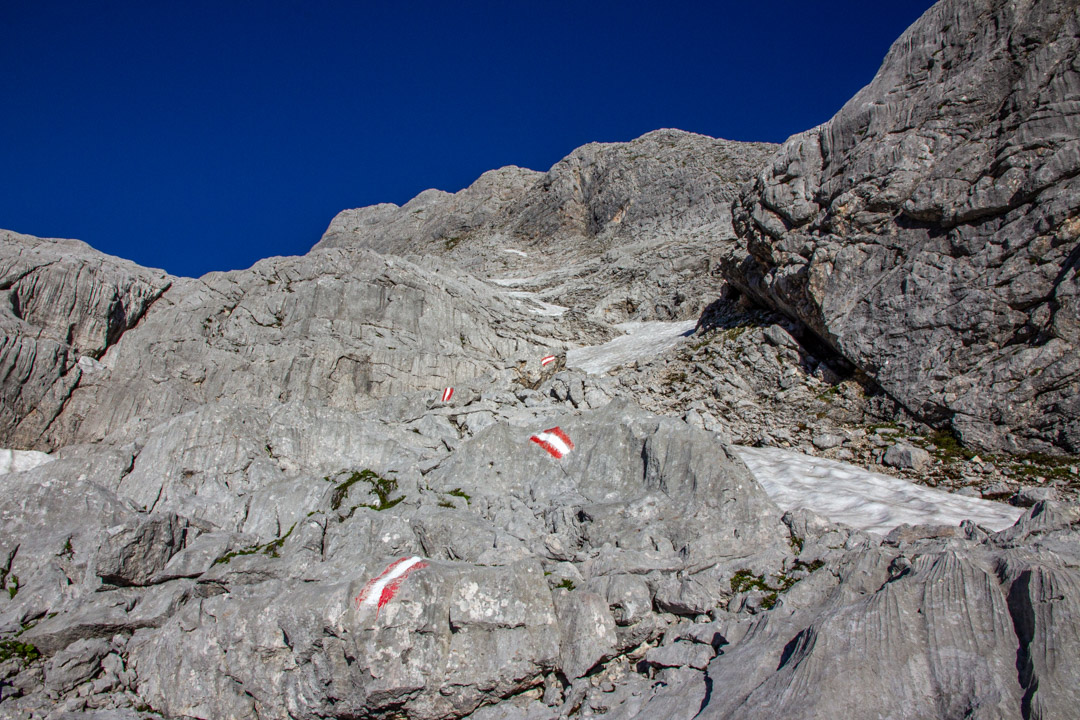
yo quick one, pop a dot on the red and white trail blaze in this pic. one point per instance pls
(546, 360)
(555, 441)
(381, 590)
(447, 394)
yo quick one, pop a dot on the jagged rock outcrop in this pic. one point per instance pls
(930, 231)
(339, 327)
(630, 224)
(646, 517)
(64, 304)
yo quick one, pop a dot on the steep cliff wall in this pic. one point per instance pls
(929, 231)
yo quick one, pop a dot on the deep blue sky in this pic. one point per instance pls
(203, 135)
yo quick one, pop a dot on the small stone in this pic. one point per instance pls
(907, 457)
(780, 337)
(996, 490)
(681, 654)
(826, 440)
(1028, 497)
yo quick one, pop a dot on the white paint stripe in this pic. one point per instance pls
(546, 360)
(375, 591)
(554, 441)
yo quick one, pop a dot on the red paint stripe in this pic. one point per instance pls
(557, 432)
(371, 583)
(447, 394)
(391, 588)
(394, 585)
(552, 450)
(546, 360)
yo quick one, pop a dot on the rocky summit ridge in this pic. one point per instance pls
(253, 495)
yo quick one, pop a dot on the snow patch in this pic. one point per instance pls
(540, 307)
(862, 499)
(510, 282)
(515, 252)
(12, 461)
(642, 340)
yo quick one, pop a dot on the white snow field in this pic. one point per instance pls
(537, 306)
(511, 282)
(21, 460)
(843, 493)
(862, 499)
(642, 339)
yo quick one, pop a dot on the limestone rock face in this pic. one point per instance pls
(614, 231)
(523, 565)
(336, 327)
(929, 231)
(64, 304)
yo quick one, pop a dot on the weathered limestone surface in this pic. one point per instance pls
(335, 327)
(614, 231)
(929, 231)
(63, 305)
(256, 506)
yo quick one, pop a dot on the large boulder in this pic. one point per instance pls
(929, 231)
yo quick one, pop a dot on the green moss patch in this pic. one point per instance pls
(15, 649)
(745, 581)
(382, 487)
(271, 548)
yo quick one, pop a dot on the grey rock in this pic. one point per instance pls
(1028, 497)
(826, 440)
(958, 161)
(780, 337)
(627, 596)
(907, 457)
(199, 555)
(75, 664)
(681, 654)
(136, 551)
(309, 329)
(66, 304)
(490, 632)
(997, 490)
(587, 632)
(248, 453)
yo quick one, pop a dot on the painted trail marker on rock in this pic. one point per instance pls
(381, 590)
(547, 360)
(555, 441)
(447, 394)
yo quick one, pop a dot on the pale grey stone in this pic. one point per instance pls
(78, 662)
(958, 161)
(587, 631)
(826, 440)
(681, 654)
(907, 457)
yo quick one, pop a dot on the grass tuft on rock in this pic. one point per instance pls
(382, 487)
(14, 649)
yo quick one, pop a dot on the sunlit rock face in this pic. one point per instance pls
(419, 473)
(929, 231)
